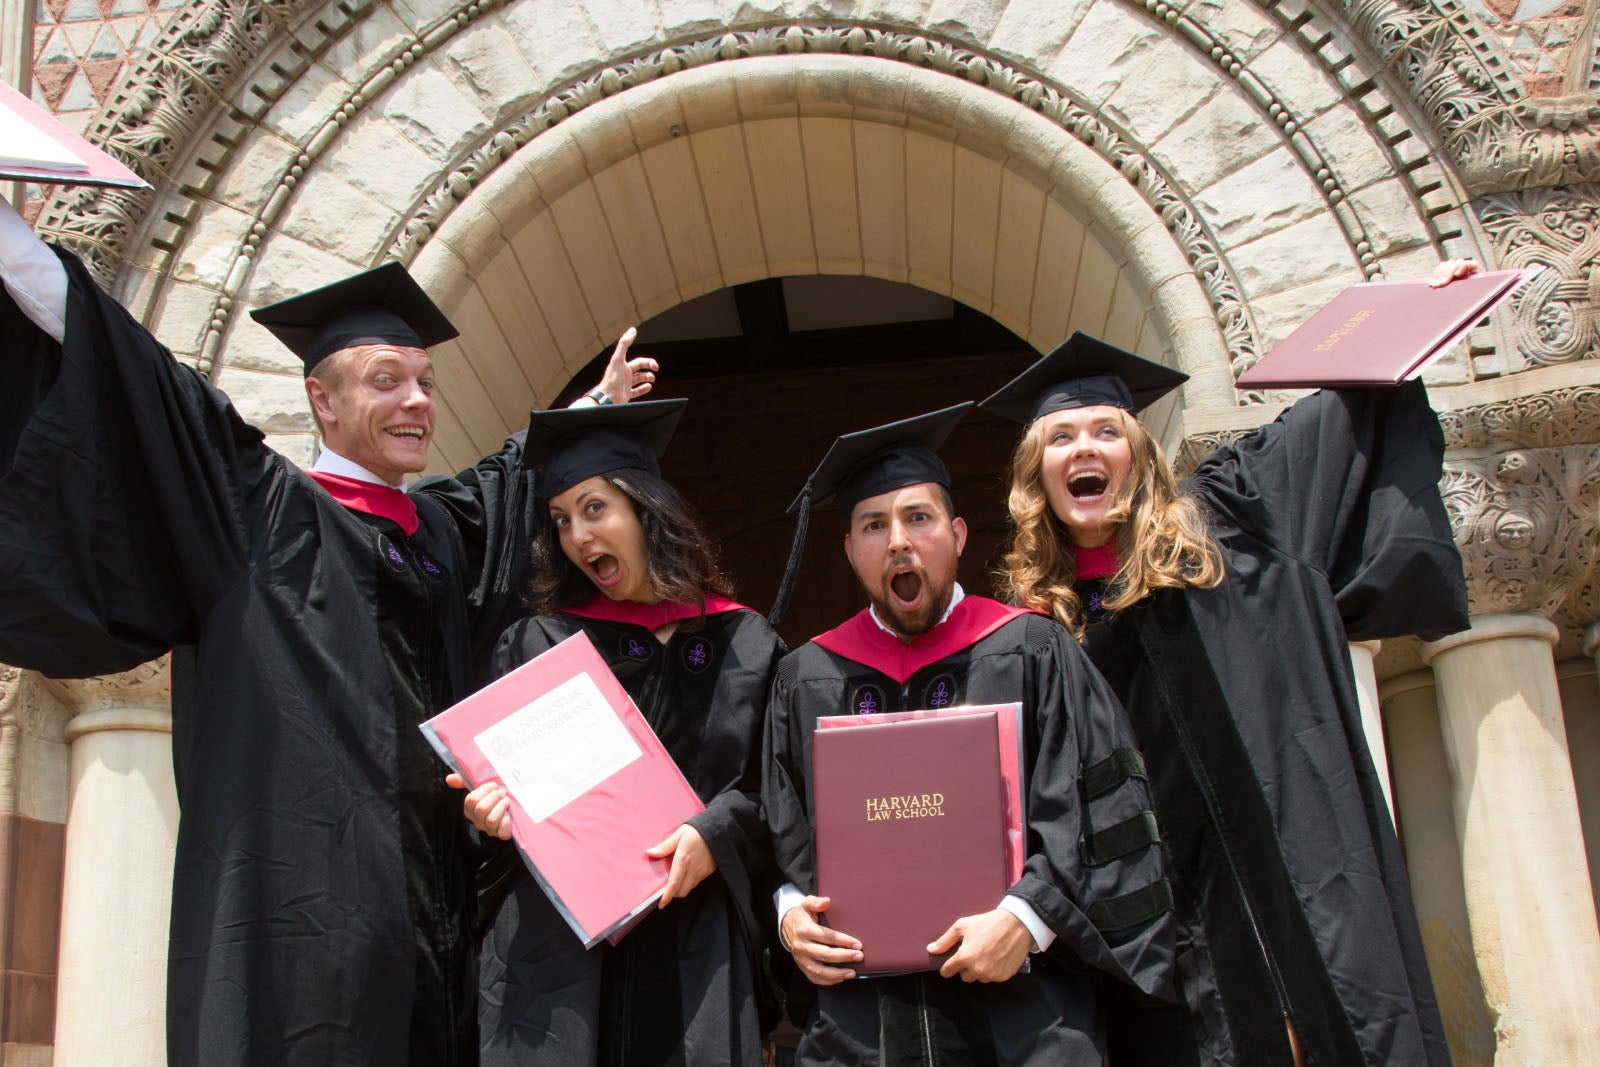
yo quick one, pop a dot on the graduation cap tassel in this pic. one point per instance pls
(791, 570)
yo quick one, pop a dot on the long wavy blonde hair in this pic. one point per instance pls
(1161, 535)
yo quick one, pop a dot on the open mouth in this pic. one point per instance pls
(409, 433)
(605, 568)
(1086, 484)
(906, 587)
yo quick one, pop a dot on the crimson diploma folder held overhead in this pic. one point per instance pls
(1381, 333)
(910, 832)
(34, 146)
(591, 785)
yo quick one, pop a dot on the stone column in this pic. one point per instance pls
(1427, 828)
(121, 828)
(1362, 654)
(1516, 815)
(1580, 706)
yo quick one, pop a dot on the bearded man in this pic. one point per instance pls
(1092, 899)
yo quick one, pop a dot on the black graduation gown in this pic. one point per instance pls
(1286, 870)
(1093, 873)
(320, 906)
(681, 987)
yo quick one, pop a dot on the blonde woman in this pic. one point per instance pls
(1220, 612)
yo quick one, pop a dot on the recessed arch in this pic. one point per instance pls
(1003, 212)
(386, 120)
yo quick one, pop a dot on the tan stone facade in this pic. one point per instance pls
(1187, 179)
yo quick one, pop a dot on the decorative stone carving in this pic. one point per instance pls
(10, 713)
(148, 685)
(1557, 316)
(176, 92)
(187, 74)
(1525, 521)
(1197, 447)
(1552, 419)
(1497, 138)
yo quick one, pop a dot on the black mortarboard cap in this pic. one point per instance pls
(1081, 372)
(892, 456)
(384, 305)
(863, 464)
(569, 445)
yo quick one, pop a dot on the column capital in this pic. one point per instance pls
(1371, 647)
(1402, 684)
(146, 687)
(89, 722)
(1493, 628)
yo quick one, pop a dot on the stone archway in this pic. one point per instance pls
(353, 133)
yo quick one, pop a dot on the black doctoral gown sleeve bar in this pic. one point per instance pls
(786, 780)
(121, 473)
(1347, 482)
(728, 773)
(1094, 872)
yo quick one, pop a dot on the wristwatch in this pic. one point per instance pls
(599, 396)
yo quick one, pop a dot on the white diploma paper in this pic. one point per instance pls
(554, 749)
(26, 146)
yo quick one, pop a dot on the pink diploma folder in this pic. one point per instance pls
(35, 147)
(591, 785)
(1381, 333)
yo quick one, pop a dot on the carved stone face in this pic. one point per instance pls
(1526, 522)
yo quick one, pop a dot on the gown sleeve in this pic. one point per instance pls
(1348, 482)
(123, 482)
(494, 507)
(731, 822)
(783, 802)
(1095, 872)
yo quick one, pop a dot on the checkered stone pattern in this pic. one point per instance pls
(1542, 38)
(81, 46)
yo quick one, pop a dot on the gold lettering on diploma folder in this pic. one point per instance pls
(1349, 324)
(905, 806)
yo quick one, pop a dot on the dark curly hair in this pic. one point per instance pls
(682, 560)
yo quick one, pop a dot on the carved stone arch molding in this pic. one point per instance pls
(243, 105)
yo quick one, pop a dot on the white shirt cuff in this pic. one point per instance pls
(1043, 936)
(36, 278)
(787, 898)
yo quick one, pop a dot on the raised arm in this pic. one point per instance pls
(124, 476)
(32, 274)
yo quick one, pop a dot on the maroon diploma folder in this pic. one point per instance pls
(591, 785)
(1381, 333)
(910, 830)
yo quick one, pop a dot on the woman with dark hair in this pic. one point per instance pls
(1220, 613)
(623, 560)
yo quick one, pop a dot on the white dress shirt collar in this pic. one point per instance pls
(330, 462)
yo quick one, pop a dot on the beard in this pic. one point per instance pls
(930, 607)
